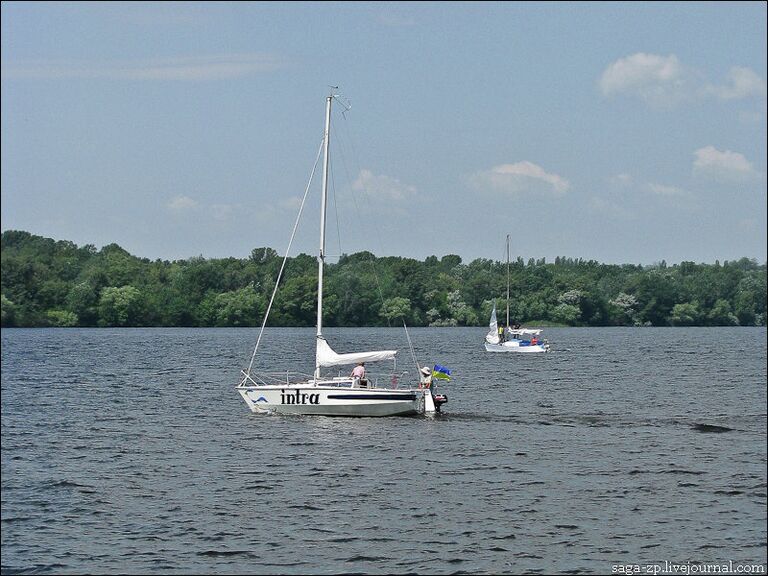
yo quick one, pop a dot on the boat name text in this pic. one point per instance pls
(298, 397)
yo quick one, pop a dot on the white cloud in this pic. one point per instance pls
(711, 161)
(291, 204)
(382, 187)
(622, 179)
(520, 177)
(656, 79)
(221, 211)
(611, 207)
(182, 202)
(626, 198)
(664, 190)
(742, 83)
(175, 69)
(664, 80)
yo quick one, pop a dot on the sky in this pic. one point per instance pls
(626, 133)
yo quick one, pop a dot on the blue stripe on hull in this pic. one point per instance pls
(372, 396)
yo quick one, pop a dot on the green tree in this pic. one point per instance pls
(242, 307)
(566, 314)
(459, 311)
(7, 311)
(296, 302)
(62, 318)
(623, 309)
(721, 314)
(750, 300)
(686, 314)
(395, 310)
(119, 306)
(82, 301)
(657, 293)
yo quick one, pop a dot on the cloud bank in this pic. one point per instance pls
(664, 80)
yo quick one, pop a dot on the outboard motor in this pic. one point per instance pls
(439, 400)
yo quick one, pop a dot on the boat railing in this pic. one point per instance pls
(396, 377)
(273, 378)
(288, 378)
(385, 380)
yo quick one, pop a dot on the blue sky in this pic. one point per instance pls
(620, 132)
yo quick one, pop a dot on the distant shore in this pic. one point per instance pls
(55, 283)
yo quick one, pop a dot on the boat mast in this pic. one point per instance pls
(507, 281)
(321, 257)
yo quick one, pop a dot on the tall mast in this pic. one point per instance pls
(507, 280)
(321, 257)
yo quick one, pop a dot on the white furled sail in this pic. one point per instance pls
(325, 355)
(523, 332)
(493, 335)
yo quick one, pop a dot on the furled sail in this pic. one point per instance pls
(493, 335)
(327, 357)
(524, 332)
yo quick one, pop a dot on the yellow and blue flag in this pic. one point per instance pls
(441, 372)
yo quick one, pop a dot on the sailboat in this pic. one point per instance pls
(511, 339)
(328, 394)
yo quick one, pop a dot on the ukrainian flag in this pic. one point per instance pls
(441, 372)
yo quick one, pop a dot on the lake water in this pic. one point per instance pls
(129, 451)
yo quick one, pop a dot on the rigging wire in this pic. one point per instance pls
(335, 203)
(410, 346)
(285, 258)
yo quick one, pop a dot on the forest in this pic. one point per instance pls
(55, 283)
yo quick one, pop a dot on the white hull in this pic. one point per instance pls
(311, 399)
(515, 347)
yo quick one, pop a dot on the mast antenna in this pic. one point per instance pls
(341, 100)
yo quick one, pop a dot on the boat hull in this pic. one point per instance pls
(515, 347)
(308, 399)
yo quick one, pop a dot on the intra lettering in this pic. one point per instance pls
(298, 397)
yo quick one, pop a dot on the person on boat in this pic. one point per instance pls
(426, 377)
(534, 341)
(358, 375)
(502, 333)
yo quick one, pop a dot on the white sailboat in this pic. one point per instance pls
(329, 395)
(515, 339)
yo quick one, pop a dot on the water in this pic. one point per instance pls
(130, 451)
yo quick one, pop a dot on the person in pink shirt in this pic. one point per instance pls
(358, 374)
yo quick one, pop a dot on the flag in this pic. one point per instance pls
(441, 372)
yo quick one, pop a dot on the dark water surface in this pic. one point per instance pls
(130, 451)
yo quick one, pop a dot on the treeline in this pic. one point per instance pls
(45, 282)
